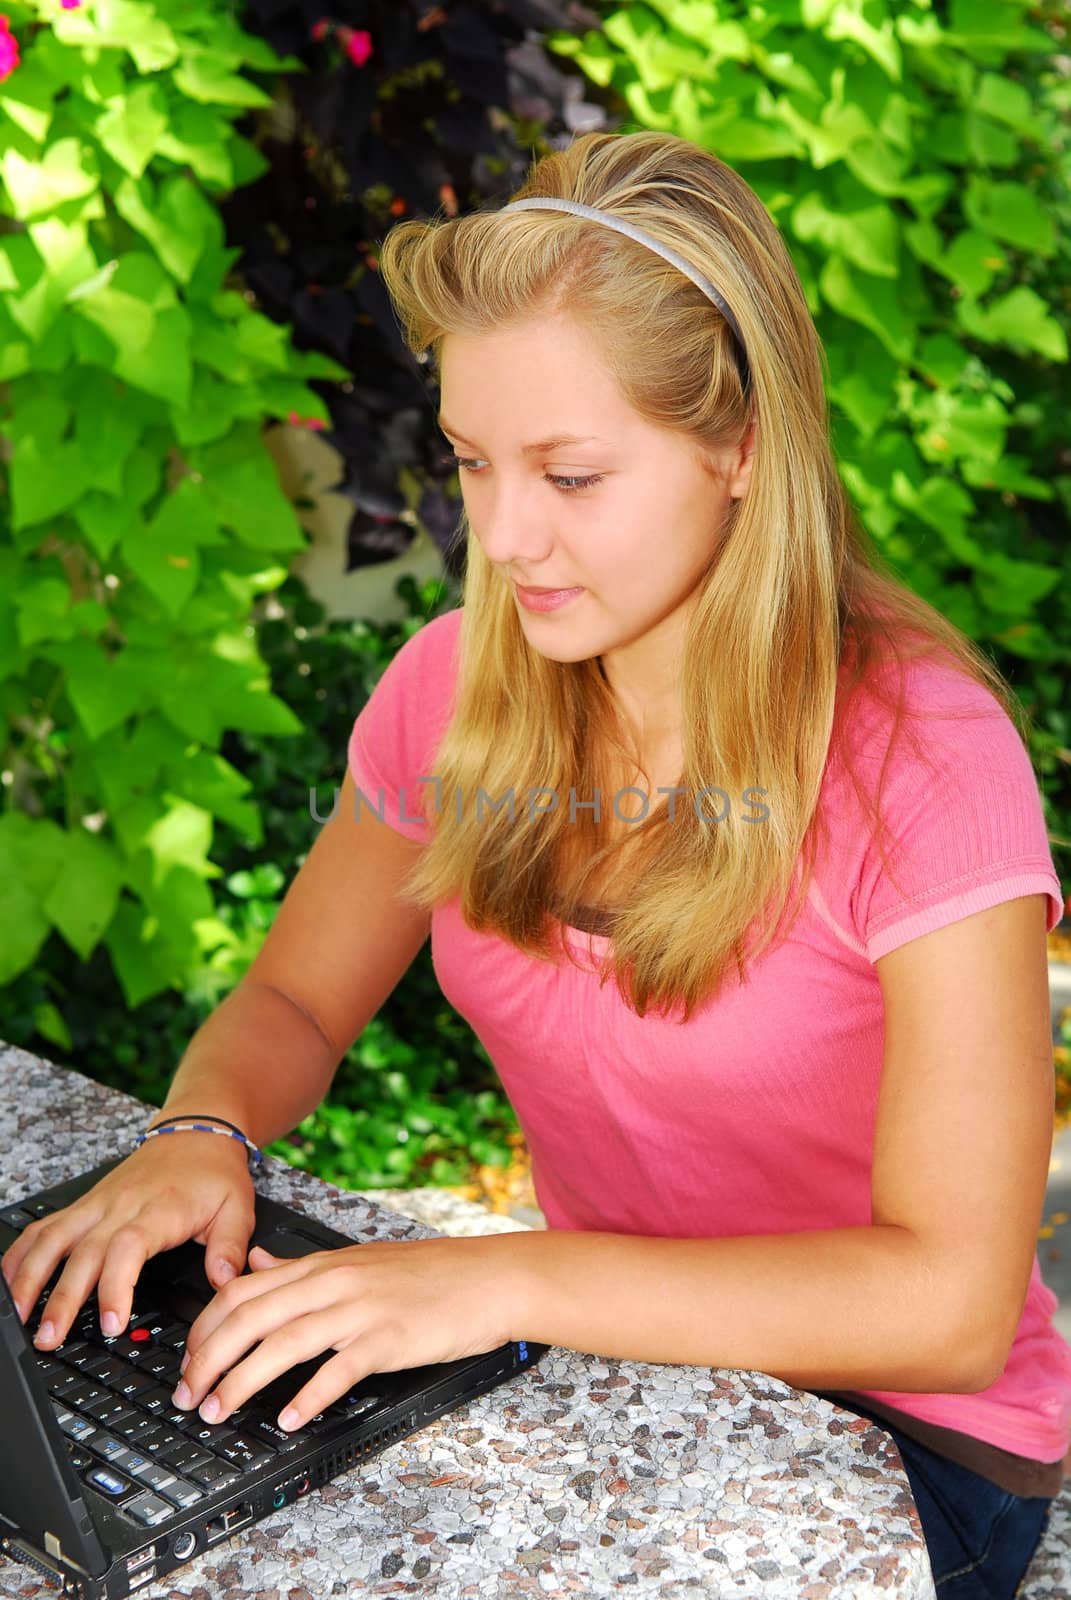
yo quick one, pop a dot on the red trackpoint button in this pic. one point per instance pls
(139, 1334)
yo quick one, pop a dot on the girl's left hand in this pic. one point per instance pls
(382, 1306)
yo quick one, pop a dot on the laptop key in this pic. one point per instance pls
(105, 1368)
(279, 1439)
(47, 1366)
(104, 1409)
(132, 1428)
(75, 1427)
(133, 1384)
(184, 1455)
(183, 1421)
(210, 1435)
(215, 1475)
(247, 1453)
(154, 1439)
(148, 1509)
(108, 1481)
(182, 1493)
(74, 1351)
(156, 1475)
(161, 1363)
(61, 1380)
(155, 1400)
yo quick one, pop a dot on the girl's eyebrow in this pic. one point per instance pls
(540, 447)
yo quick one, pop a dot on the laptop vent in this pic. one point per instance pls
(380, 1440)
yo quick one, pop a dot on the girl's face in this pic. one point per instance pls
(623, 511)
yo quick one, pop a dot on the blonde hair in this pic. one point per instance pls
(794, 587)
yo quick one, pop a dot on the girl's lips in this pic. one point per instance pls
(545, 599)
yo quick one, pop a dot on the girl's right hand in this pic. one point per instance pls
(167, 1191)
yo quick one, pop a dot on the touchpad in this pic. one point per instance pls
(283, 1243)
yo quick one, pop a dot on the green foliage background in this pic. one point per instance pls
(163, 681)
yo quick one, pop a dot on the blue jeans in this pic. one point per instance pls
(980, 1538)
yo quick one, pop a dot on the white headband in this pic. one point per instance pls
(549, 203)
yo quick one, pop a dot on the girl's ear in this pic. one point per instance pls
(745, 462)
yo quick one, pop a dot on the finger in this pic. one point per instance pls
(128, 1250)
(298, 1339)
(39, 1255)
(236, 1293)
(226, 1240)
(267, 1319)
(20, 1277)
(71, 1292)
(327, 1384)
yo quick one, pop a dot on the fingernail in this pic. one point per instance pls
(45, 1333)
(210, 1408)
(110, 1323)
(225, 1271)
(288, 1418)
(182, 1395)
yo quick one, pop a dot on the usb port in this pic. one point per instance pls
(143, 1576)
(135, 1563)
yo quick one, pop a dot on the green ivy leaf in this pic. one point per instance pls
(1019, 317)
(867, 236)
(82, 901)
(43, 265)
(37, 187)
(130, 127)
(246, 496)
(168, 566)
(103, 691)
(875, 304)
(130, 25)
(198, 138)
(27, 97)
(1009, 211)
(138, 311)
(145, 962)
(209, 781)
(203, 78)
(43, 610)
(48, 1022)
(175, 218)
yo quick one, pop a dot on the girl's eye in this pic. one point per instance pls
(566, 485)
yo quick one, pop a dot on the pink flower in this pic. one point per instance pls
(297, 421)
(70, 5)
(320, 30)
(359, 46)
(9, 50)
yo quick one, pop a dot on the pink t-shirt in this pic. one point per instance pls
(758, 1115)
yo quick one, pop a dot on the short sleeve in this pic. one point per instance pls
(394, 739)
(965, 826)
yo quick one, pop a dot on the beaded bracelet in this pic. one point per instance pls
(229, 1131)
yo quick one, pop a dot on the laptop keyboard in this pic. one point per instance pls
(126, 1441)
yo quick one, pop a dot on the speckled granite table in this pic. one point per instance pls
(581, 1477)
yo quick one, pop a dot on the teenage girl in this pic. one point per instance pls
(731, 852)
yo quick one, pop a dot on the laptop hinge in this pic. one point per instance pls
(54, 1548)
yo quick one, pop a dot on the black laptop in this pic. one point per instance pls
(105, 1486)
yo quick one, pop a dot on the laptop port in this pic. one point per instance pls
(143, 1576)
(227, 1521)
(135, 1563)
